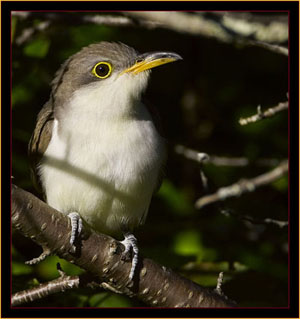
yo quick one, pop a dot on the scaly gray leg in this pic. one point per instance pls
(76, 224)
(130, 242)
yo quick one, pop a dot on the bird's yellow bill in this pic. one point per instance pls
(148, 64)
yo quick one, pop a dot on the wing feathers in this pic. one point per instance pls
(40, 140)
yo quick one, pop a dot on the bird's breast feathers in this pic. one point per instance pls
(106, 170)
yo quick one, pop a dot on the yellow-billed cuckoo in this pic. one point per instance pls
(95, 152)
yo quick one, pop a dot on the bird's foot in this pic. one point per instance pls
(130, 243)
(76, 227)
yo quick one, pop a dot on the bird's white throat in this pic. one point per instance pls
(104, 156)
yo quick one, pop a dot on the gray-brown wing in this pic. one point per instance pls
(39, 141)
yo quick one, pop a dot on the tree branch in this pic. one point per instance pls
(264, 115)
(100, 255)
(227, 28)
(61, 284)
(204, 158)
(218, 288)
(243, 186)
(57, 285)
(250, 219)
(224, 27)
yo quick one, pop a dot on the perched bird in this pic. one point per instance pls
(95, 151)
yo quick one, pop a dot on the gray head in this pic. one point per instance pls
(113, 68)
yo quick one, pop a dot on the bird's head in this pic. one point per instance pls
(107, 71)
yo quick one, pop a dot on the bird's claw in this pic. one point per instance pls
(130, 244)
(76, 227)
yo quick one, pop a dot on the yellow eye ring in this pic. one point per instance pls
(102, 70)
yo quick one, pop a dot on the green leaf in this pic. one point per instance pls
(20, 95)
(189, 243)
(175, 199)
(115, 301)
(206, 280)
(20, 269)
(281, 184)
(105, 299)
(97, 299)
(47, 268)
(38, 48)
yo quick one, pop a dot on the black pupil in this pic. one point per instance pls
(102, 69)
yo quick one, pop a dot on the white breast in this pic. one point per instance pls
(103, 168)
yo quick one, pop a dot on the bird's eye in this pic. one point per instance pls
(102, 70)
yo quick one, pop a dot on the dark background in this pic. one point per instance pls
(200, 101)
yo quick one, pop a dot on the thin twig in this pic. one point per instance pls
(61, 284)
(272, 47)
(243, 186)
(118, 21)
(21, 14)
(204, 180)
(222, 160)
(264, 115)
(46, 252)
(218, 289)
(41, 291)
(247, 218)
(27, 33)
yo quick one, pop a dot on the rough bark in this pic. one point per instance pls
(100, 255)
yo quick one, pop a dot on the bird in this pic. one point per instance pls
(96, 153)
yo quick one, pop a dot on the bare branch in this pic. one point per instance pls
(184, 23)
(100, 255)
(218, 289)
(55, 286)
(272, 47)
(223, 27)
(275, 31)
(221, 160)
(264, 115)
(21, 14)
(46, 252)
(61, 284)
(243, 186)
(27, 33)
(250, 219)
(118, 21)
(228, 28)
(252, 17)
(99, 19)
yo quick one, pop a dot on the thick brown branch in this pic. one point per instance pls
(243, 186)
(100, 255)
